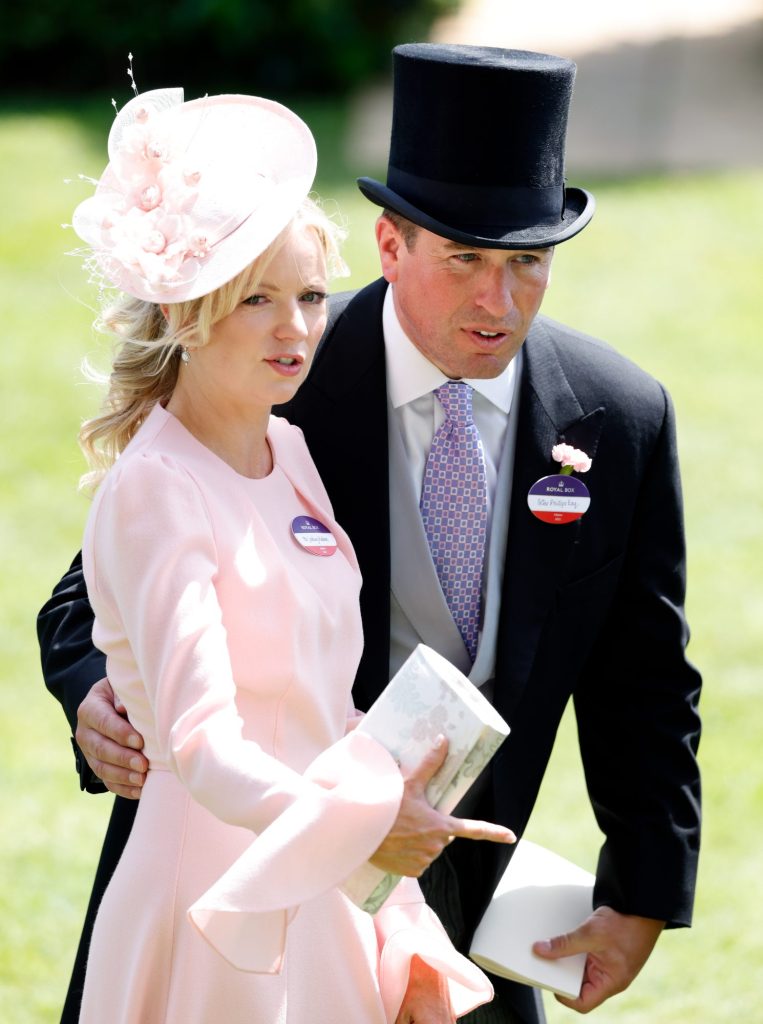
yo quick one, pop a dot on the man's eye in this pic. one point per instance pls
(527, 258)
(466, 257)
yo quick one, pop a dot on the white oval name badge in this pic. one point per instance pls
(313, 537)
(558, 499)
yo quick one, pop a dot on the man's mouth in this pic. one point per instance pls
(486, 338)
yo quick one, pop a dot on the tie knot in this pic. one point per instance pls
(455, 397)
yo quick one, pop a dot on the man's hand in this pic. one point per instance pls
(109, 743)
(618, 946)
(420, 833)
(426, 999)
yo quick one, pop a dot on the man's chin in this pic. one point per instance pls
(485, 365)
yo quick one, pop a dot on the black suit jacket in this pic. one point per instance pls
(591, 610)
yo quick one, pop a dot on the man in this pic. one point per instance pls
(475, 202)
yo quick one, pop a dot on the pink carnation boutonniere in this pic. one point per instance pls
(561, 497)
(570, 459)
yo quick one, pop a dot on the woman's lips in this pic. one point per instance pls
(286, 365)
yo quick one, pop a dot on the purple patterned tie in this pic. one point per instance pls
(454, 509)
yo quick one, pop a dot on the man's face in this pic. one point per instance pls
(467, 310)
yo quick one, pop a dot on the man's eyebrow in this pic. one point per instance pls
(451, 246)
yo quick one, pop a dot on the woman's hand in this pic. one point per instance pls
(420, 833)
(426, 999)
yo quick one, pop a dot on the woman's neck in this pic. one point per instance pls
(239, 440)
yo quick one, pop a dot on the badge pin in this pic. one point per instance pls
(313, 536)
(558, 499)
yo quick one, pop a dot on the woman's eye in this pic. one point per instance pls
(314, 298)
(254, 300)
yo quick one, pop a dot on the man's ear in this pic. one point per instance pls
(390, 243)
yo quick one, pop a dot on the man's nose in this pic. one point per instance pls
(495, 291)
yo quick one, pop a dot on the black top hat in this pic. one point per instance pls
(477, 147)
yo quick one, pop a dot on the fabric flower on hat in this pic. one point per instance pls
(154, 244)
(571, 459)
(144, 226)
(193, 192)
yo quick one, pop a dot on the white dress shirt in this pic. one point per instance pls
(411, 379)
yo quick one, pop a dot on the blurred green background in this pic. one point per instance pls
(669, 272)
(293, 46)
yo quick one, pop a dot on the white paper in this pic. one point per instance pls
(540, 895)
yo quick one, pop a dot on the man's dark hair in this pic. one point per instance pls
(406, 227)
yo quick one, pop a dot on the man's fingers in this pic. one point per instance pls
(466, 828)
(110, 744)
(561, 945)
(128, 792)
(124, 781)
(102, 751)
(121, 781)
(108, 722)
(112, 727)
(617, 945)
(98, 712)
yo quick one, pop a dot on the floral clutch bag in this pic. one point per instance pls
(428, 697)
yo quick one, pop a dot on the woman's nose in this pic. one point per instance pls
(292, 323)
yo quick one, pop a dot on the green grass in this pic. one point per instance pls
(669, 272)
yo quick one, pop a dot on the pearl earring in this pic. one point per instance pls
(185, 355)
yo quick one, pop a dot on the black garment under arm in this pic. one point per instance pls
(70, 662)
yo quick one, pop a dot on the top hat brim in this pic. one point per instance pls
(578, 209)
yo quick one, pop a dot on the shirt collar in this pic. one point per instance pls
(410, 374)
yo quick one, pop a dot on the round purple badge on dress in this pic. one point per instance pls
(313, 537)
(558, 499)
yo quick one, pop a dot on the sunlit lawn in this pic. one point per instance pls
(670, 272)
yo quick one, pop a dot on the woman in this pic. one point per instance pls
(226, 601)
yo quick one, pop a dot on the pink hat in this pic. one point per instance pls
(194, 192)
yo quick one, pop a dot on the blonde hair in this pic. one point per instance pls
(144, 368)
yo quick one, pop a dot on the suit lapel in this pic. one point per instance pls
(538, 553)
(342, 408)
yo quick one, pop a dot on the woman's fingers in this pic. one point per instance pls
(467, 828)
(428, 766)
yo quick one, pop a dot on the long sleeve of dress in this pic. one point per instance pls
(151, 564)
(244, 698)
(407, 927)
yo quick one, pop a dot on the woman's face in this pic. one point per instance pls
(259, 354)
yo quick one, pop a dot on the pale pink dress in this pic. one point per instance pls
(234, 651)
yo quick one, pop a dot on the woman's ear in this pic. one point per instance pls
(165, 311)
